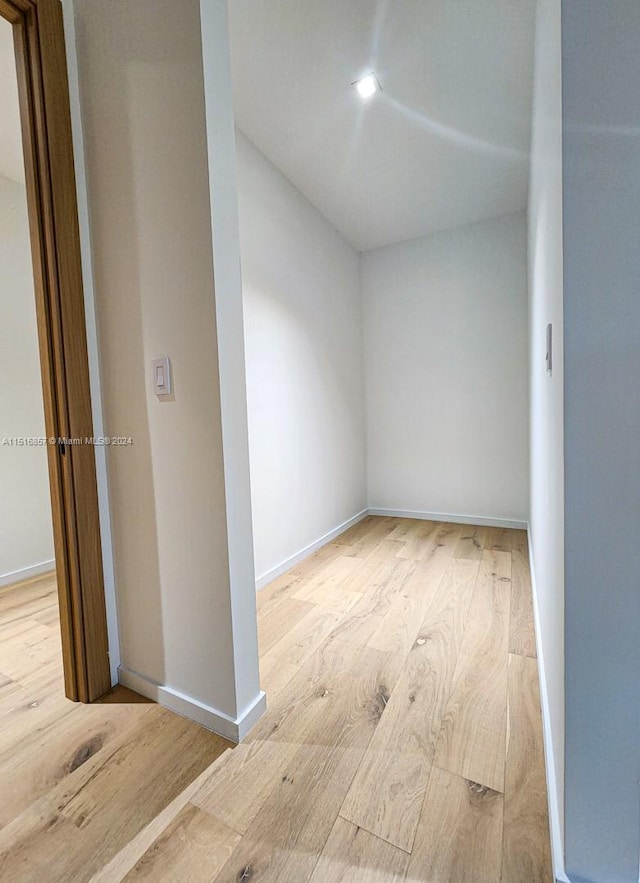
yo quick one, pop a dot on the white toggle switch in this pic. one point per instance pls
(162, 376)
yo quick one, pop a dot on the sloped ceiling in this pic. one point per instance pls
(445, 144)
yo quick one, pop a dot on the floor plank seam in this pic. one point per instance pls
(374, 834)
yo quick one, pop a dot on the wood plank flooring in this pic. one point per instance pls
(402, 741)
(78, 782)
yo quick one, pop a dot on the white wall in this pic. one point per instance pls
(546, 397)
(446, 376)
(26, 538)
(601, 220)
(304, 364)
(223, 188)
(142, 84)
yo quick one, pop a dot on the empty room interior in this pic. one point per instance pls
(340, 567)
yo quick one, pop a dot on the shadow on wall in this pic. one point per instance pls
(143, 110)
(130, 469)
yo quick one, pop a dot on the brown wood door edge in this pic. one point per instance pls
(55, 246)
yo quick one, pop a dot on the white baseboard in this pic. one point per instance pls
(18, 576)
(290, 562)
(234, 729)
(448, 517)
(276, 571)
(552, 785)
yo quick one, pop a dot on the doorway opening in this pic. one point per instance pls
(33, 38)
(29, 616)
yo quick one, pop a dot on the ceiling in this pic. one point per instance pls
(11, 162)
(446, 143)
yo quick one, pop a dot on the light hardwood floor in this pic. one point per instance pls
(79, 782)
(402, 741)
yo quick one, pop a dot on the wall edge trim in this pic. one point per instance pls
(18, 576)
(297, 557)
(552, 786)
(86, 256)
(234, 729)
(450, 517)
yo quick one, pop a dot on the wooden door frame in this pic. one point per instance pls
(55, 246)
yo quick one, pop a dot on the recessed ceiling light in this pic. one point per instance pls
(367, 86)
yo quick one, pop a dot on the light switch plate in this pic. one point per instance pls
(549, 356)
(162, 376)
